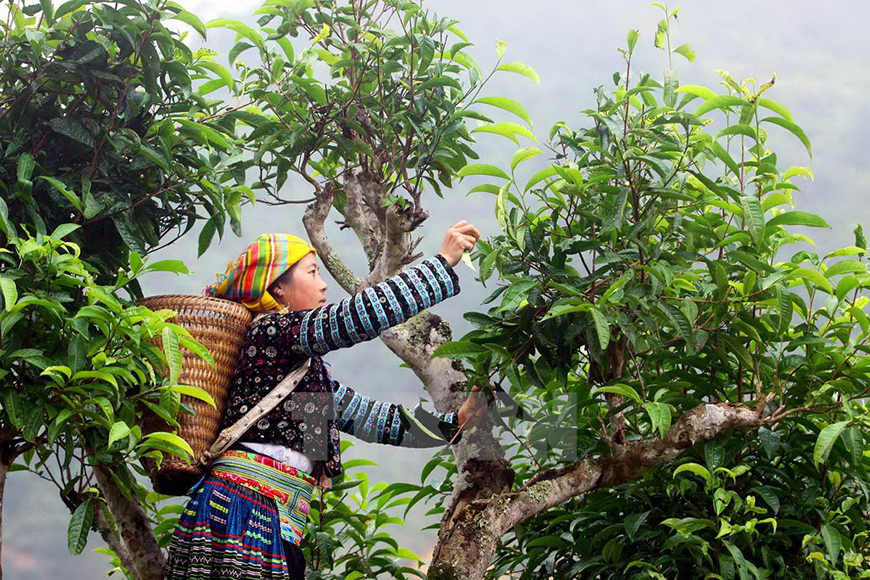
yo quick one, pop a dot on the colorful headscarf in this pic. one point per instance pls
(248, 278)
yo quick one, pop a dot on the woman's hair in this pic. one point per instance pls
(282, 279)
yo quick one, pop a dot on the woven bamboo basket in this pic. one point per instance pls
(220, 326)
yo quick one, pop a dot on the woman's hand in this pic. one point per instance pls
(474, 407)
(458, 239)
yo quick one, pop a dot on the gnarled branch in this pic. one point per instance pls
(314, 221)
(482, 525)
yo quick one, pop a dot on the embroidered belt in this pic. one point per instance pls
(289, 487)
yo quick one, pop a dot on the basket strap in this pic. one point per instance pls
(232, 433)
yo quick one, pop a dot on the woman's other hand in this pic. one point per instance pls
(458, 239)
(474, 407)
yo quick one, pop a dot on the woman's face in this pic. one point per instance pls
(305, 290)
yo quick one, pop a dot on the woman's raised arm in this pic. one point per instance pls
(366, 314)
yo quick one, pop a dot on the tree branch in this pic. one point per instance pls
(468, 550)
(363, 212)
(134, 528)
(314, 220)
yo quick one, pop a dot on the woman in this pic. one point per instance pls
(246, 518)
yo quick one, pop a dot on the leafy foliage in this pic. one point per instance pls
(101, 127)
(648, 269)
(79, 369)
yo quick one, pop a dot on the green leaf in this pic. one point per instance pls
(173, 354)
(521, 69)
(798, 218)
(516, 293)
(738, 129)
(854, 441)
(793, 171)
(660, 417)
(26, 163)
(195, 392)
(695, 468)
(775, 107)
(482, 169)
(501, 208)
(205, 236)
(785, 309)
(686, 51)
(524, 154)
(5, 226)
(633, 523)
(833, 542)
(48, 10)
(680, 321)
(540, 176)
(9, 291)
(562, 309)
(825, 442)
(769, 497)
(724, 156)
(12, 406)
(698, 91)
(632, 39)
(98, 375)
(63, 230)
(672, 82)
(174, 266)
(220, 71)
(719, 102)
(508, 105)
(506, 129)
(72, 128)
(602, 328)
(173, 440)
(753, 215)
(459, 349)
(61, 187)
(68, 7)
(626, 391)
(812, 276)
(207, 134)
(118, 431)
(846, 267)
(500, 47)
(79, 527)
(197, 349)
(191, 20)
(793, 129)
(241, 29)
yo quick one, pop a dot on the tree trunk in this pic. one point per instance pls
(134, 529)
(9, 452)
(112, 539)
(4, 471)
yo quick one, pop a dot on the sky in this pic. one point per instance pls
(815, 49)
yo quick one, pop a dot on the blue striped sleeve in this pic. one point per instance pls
(366, 314)
(381, 422)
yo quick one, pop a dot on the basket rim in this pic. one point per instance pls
(223, 302)
(190, 297)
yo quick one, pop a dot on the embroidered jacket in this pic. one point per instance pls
(310, 418)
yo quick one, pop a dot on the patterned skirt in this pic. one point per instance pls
(244, 521)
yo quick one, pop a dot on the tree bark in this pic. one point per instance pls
(134, 529)
(9, 452)
(4, 471)
(112, 539)
(468, 550)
